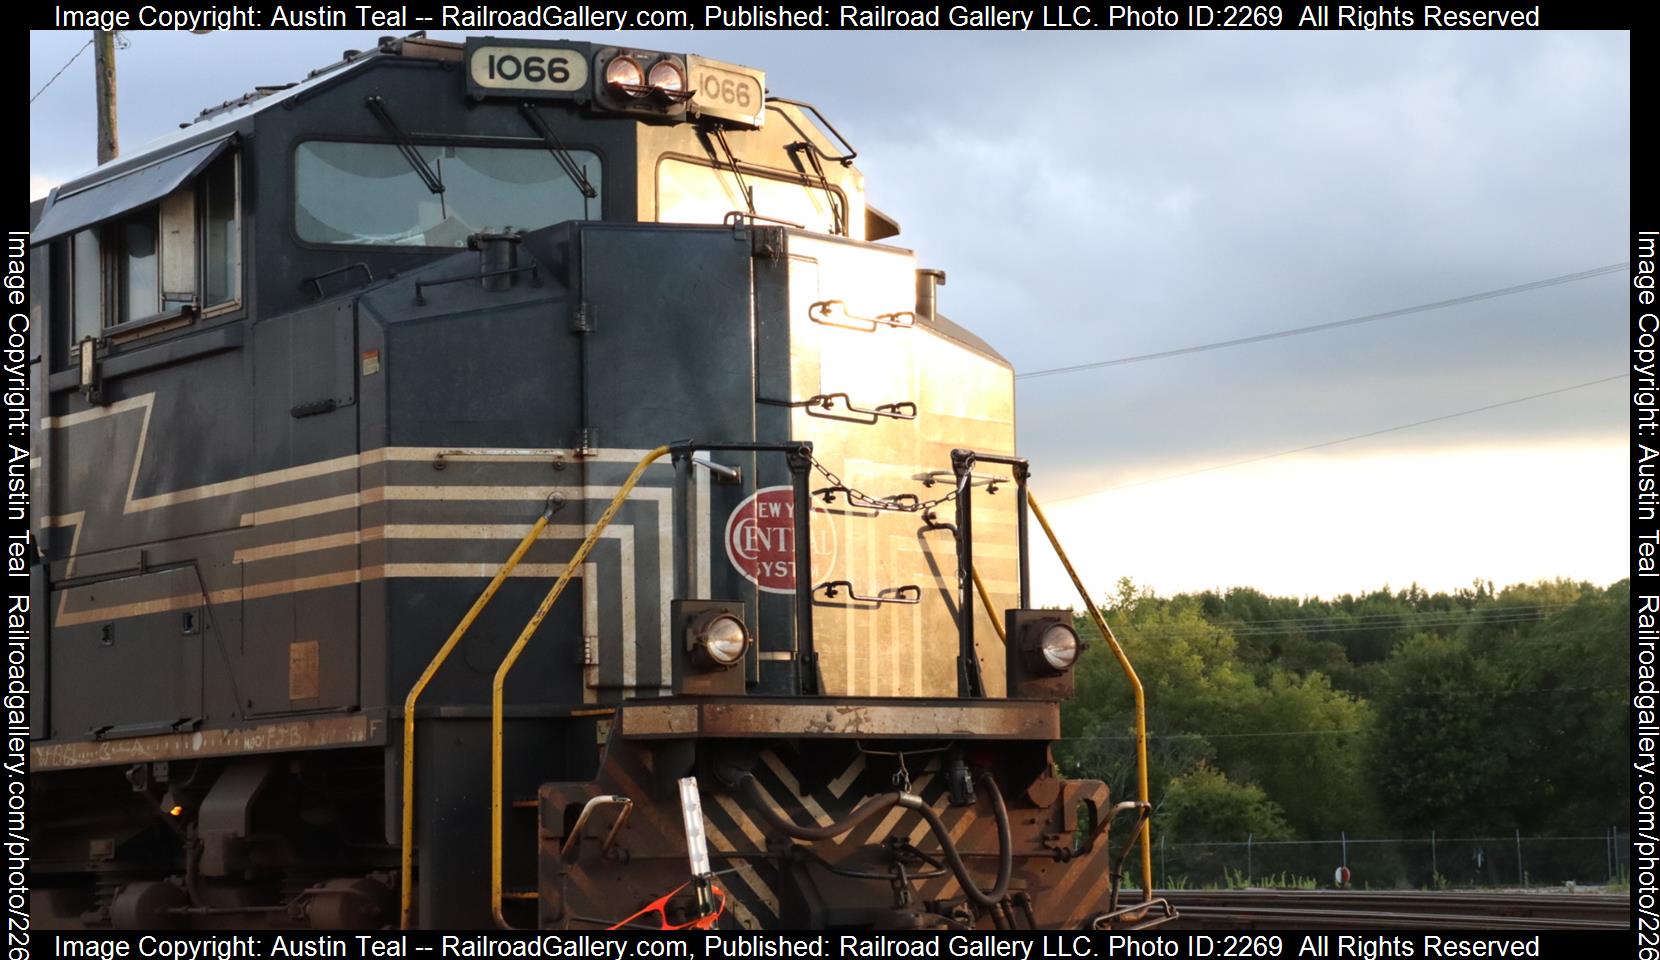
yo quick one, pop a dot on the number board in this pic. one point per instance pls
(726, 90)
(527, 69)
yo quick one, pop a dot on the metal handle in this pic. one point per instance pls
(975, 479)
(824, 405)
(820, 312)
(909, 593)
(736, 218)
(575, 836)
(820, 118)
(897, 503)
(317, 280)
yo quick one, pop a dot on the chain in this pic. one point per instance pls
(902, 776)
(897, 502)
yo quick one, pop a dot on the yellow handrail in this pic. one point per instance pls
(407, 865)
(991, 611)
(512, 657)
(1135, 685)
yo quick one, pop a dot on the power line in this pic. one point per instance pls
(61, 69)
(1349, 439)
(1334, 324)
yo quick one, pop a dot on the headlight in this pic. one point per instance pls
(721, 638)
(1058, 646)
(666, 76)
(623, 72)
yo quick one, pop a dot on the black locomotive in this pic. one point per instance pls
(419, 456)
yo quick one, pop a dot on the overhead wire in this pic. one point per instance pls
(1348, 439)
(1333, 324)
(61, 69)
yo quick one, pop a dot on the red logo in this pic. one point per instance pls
(760, 539)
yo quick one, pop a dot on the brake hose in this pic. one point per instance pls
(909, 801)
(1005, 845)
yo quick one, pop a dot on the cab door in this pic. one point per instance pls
(300, 569)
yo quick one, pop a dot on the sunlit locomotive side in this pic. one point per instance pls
(419, 461)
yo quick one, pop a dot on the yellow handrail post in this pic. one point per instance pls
(1135, 685)
(407, 864)
(512, 657)
(991, 611)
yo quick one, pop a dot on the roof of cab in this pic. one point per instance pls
(216, 122)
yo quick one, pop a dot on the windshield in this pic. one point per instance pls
(367, 193)
(696, 193)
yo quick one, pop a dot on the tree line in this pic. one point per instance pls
(1480, 711)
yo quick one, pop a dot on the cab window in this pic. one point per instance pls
(369, 194)
(181, 255)
(690, 192)
(221, 234)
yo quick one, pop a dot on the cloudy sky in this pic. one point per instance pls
(1096, 196)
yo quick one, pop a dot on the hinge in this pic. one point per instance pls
(582, 318)
(767, 243)
(587, 443)
(590, 650)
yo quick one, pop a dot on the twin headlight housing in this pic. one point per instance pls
(665, 78)
(643, 82)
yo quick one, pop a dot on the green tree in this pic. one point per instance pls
(1435, 756)
(1293, 735)
(1565, 713)
(1203, 806)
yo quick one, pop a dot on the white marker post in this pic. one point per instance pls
(697, 842)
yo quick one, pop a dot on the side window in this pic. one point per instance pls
(86, 284)
(221, 233)
(135, 252)
(179, 256)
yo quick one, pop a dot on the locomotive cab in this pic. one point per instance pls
(469, 444)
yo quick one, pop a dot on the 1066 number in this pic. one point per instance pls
(531, 69)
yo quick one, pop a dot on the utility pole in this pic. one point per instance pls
(103, 44)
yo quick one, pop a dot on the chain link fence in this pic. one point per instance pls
(1413, 863)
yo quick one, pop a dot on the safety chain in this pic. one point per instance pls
(898, 503)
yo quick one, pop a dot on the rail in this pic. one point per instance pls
(971, 584)
(499, 684)
(1397, 910)
(1135, 686)
(799, 455)
(406, 912)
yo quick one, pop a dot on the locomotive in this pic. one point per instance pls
(511, 483)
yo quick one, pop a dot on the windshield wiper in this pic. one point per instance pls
(717, 135)
(555, 147)
(418, 163)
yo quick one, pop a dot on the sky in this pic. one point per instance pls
(1095, 196)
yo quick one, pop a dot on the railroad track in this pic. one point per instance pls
(1392, 910)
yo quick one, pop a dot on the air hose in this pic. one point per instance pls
(954, 860)
(909, 801)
